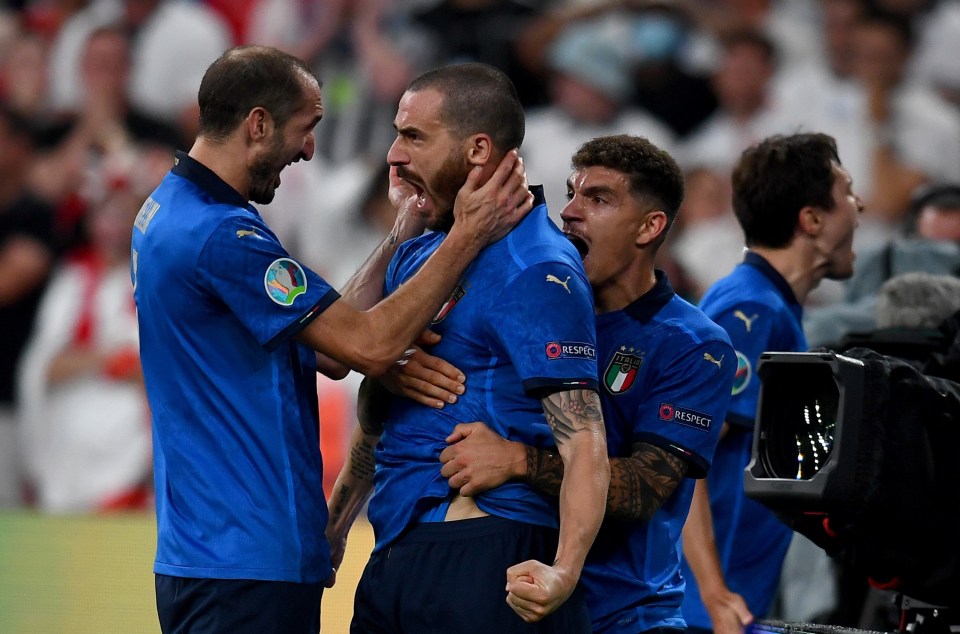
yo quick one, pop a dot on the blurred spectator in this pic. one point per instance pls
(83, 411)
(173, 43)
(365, 52)
(105, 132)
(932, 245)
(747, 111)
(105, 68)
(28, 247)
(23, 75)
(936, 24)
(485, 31)
(660, 41)
(65, 86)
(590, 87)
(824, 96)
(709, 242)
(666, 82)
(936, 212)
(304, 29)
(914, 132)
(789, 24)
(892, 133)
(917, 300)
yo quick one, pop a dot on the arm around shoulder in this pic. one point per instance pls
(371, 340)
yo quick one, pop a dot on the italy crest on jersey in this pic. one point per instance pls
(622, 372)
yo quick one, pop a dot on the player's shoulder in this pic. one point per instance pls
(684, 326)
(684, 320)
(535, 240)
(418, 247)
(741, 290)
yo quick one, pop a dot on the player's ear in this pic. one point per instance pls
(652, 226)
(259, 124)
(810, 220)
(479, 149)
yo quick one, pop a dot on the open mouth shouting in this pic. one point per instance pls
(415, 186)
(578, 242)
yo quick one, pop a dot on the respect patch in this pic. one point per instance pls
(684, 416)
(570, 350)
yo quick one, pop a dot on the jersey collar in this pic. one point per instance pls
(650, 303)
(201, 175)
(538, 197)
(539, 200)
(759, 263)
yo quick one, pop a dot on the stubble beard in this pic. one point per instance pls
(264, 172)
(449, 179)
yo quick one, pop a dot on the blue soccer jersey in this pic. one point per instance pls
(237, 464)
(666, 372)
(520, 320)
(759, 311)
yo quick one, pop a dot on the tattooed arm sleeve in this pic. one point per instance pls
(576, 420)
(639, 484)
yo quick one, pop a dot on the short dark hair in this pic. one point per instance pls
(776, 178)
(477, 98)
(653, 174)
(244, 78)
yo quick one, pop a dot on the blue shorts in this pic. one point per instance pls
(208, 606)
(444, 577)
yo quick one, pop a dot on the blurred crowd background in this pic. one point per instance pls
(96, 95)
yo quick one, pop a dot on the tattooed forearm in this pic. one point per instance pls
(544, 470)
(353, 485)
(640, 484)
(572, 411)
(338, 505)
(362, 462)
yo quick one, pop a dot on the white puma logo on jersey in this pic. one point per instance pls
(556, 280)
(747, 321)
(717, 362)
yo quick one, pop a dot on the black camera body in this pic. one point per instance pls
(859, 452)
(790, 468)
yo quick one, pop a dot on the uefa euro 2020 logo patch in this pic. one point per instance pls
(285, 281)
(741, 379)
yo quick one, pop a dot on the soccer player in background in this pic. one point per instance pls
(798, 211)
